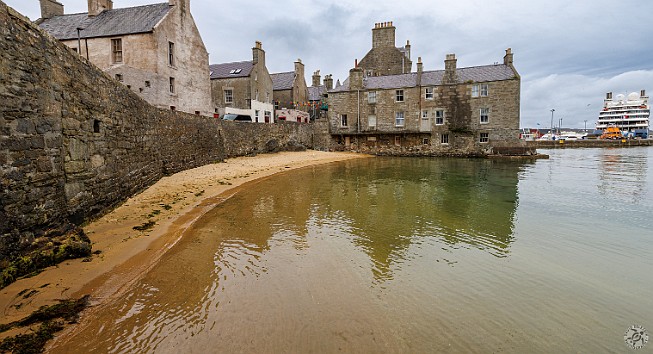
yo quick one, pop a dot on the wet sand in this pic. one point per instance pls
(173, 203)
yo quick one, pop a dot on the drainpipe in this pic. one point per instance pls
(358, 118)
(79, 42)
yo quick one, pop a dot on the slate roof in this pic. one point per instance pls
(315, 92)
(282, 81)
(485, 73)
(116, 22)
(223, 71)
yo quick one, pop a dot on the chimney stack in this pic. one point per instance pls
(608, 96)
(299, 69)
(642, 93)
(50, 9)
(507, 59)
(450, 77)
(258, 54)
(96, 7)
(316, 79)
(420, 69)
(383, 35)
(407, 48)
(356, 79)
(328, 82)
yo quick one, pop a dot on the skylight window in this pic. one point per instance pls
(235, 71)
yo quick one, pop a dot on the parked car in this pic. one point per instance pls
(237, 117)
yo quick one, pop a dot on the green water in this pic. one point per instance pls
(406, 255)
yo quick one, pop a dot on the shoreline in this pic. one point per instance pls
(173, 203)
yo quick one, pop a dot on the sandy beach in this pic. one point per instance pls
(172, 204)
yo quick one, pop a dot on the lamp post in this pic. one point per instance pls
(551, 130)
(585, 125)
(560, 126)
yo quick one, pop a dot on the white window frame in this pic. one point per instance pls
(343, 120)
(371, 97)
(256, 115)
(371, 121)
(475, 91)
(484, 115)
(439, 114)
(228, 96)
(399, 94)
(400, 119)
(429, 93)
(484, 138)
(444, 138)
(172, 85)
(484, 90)
(425, 114)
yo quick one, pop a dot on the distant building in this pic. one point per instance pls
(451, 111)
(317, 95)
(155, 50)
(244, 87)
(290, 90)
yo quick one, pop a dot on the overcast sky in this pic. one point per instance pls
(569, 53)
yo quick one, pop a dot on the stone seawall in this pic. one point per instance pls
(74, 142)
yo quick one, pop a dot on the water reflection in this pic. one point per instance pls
(623, 176)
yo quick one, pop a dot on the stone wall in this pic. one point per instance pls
(74, 142)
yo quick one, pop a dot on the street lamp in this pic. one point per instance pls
(585, 125)
(551, 130)
(560, 126)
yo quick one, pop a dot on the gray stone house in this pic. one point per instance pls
(290, 90)
(155, 50)
(243, 87)
(455, 111)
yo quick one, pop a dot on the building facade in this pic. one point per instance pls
(456, 111)
(317, 95)
(290, 89)
(243, 87)
(155, 50)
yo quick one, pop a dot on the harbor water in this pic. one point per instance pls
(405, 255)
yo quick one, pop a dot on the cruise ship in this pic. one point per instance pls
(628, 113)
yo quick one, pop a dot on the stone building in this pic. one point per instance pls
(243, 87)
(456, 111)
(317, 95)
(155, 50)
(290, 90)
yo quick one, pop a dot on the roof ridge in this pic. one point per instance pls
(120, 8)
(233, 62)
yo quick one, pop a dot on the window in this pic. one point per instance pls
(398, 140)
(425, 141)
(428, 93)
(368, 73)
(399, 119)
(256, 114)
(96, 126)
(444, 139)
(267, 98)
(228, 96)
(119, 77)
(276, 104)
(172, 85)
(399, 96)
(485, 115)
(425, 114)
(116, 50)
(371, 121)
(484, 137)
(171, 54)
(474, 90)
(439, 117)
(267, 116)
(480, 90)
(371, 97)
(343, 120)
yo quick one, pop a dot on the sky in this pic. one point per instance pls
(569, 53)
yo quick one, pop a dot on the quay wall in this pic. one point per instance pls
(75, 143)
